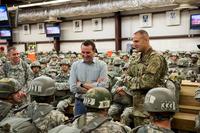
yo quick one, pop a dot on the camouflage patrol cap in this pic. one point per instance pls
(64, 62)
(8, 86)
(98, 97)
(160, 100)
(35, 64)
(42, 86)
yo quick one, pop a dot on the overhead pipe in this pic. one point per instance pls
(90, 8)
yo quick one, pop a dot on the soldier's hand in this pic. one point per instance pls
(120, 91)
(62, 105)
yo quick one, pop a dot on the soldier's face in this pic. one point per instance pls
(87, 53)
(139, 42)
(14, 56)
(65, 67)
(35, 69)
(19, 96)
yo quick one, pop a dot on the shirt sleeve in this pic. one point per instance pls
(103, 76)
(73, 80)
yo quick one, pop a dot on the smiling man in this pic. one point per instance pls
(86, 74)
(16, 68)
(146, 72)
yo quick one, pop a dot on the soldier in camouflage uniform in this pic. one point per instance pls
(43, 64)
(36, 69)
(63, 94)
(97, 100)
(122, 101)
(17, 68)
(2, 75)
(161, 105)
(53, 64)
(147, 71)
(11, 97)
(43, 115)
(172, 62)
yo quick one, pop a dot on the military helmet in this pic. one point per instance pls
(73, 55)
(194, 56)
(35, 64)
(97, 97)
(117, 61)
(197, 94)
(54, 56)
(183, 62)
(42, 86)
(44, 60)
(8, 86)
(64, 62)
(160, 100)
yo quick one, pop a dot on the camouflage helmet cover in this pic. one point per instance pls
(183, 62)
(64, 62)
(160, 100)
(35, 64)
(42, 86)
(8, 86)
(97, 97)
(43, 61)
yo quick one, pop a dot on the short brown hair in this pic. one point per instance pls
(143, 32)
(11, 48)
(90, 43)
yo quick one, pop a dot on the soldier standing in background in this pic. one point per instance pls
(36, 69)
(16, 68)
(63, 96)
(147, 71)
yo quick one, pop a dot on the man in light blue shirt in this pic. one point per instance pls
(86, 74)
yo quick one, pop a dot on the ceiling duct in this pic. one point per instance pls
(86, 9)
(186, 6)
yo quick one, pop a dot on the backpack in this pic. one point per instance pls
(17, 125)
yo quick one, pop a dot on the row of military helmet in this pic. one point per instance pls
(97, 98)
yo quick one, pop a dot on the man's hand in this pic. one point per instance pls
(120, 91)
